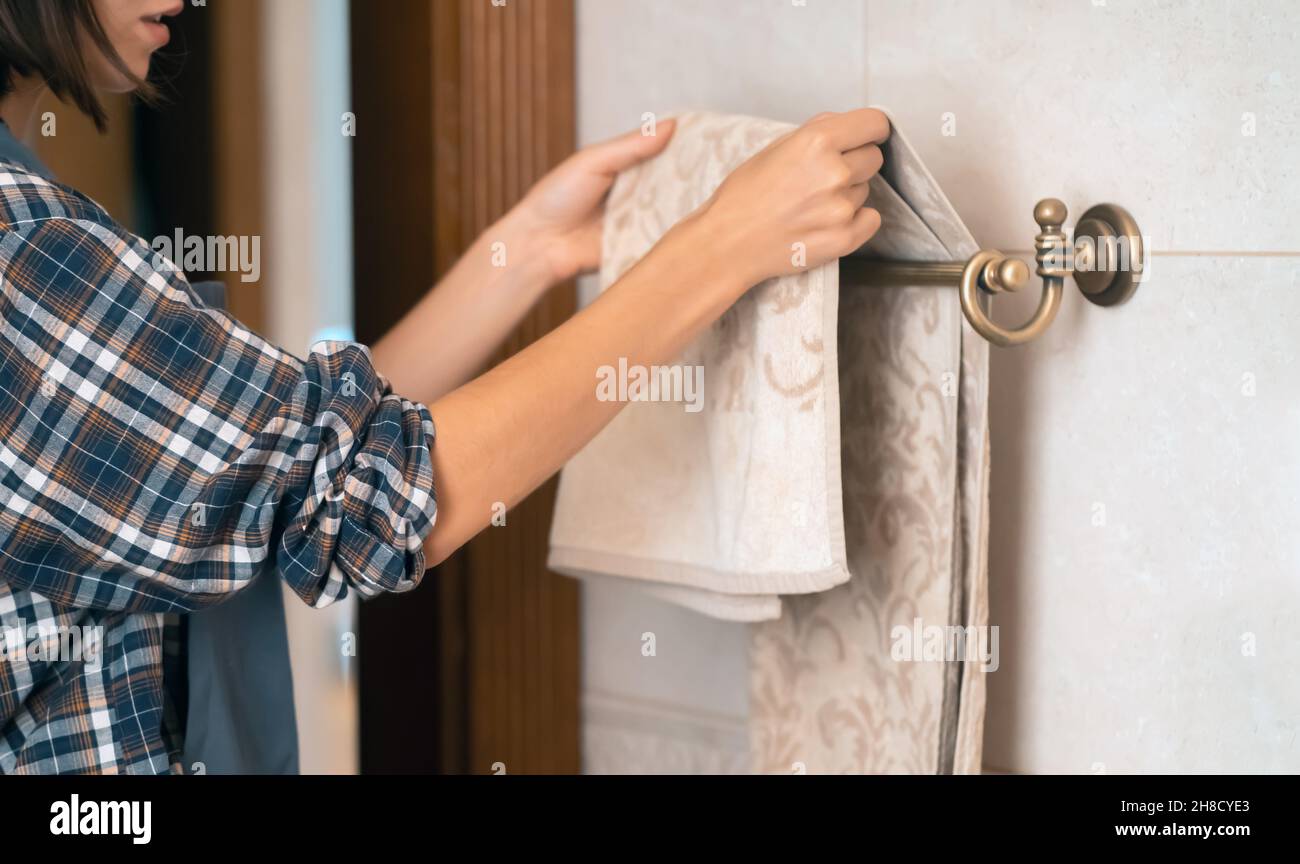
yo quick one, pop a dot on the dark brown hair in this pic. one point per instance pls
(45, 38)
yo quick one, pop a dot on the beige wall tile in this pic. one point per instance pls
(1146, 484)
(1134, 101)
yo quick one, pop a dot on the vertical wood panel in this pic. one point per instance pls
(517, 102)
(500, 83)
(238, 111)
(410, 693)
(453, 226)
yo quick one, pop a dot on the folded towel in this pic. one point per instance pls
(733, 505)
(839, 433)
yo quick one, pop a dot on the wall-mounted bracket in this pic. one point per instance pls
(1107, 259)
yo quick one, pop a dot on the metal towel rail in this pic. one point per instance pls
(1106, 259)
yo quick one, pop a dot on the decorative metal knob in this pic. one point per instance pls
(972, 306)
(1005, 274)
(1107, 262)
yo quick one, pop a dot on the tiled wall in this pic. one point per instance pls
(1145, 551)
(1146, 459)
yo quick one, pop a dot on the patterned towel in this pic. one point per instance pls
(836, 466)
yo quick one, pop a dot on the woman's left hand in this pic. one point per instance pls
(565, 210)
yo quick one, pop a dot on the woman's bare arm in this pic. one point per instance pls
(449, 336)
(503, 434)
(550, 237)
(500, 436)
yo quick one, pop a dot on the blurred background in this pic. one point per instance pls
(1121, 643)
(388, 134)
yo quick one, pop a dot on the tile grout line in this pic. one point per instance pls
(1190, 253)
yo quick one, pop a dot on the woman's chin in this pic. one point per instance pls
(116, 82)
(139, 68)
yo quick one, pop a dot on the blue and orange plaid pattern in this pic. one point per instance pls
(155, 456)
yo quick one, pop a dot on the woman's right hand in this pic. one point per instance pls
(502, 434)
(799, 203)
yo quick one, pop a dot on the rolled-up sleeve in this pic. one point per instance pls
(156, 455)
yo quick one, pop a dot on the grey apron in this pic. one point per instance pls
(239, 717)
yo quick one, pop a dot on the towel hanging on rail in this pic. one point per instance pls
(837, 467)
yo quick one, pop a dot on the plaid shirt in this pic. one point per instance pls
(155, 456)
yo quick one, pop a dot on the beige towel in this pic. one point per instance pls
(727, 508)
(841, 433)
(828, 693)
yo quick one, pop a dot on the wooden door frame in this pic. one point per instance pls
(476, 671)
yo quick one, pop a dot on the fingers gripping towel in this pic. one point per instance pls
(834, 464)
(724, 508)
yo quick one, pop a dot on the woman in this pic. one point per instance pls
(155, 455)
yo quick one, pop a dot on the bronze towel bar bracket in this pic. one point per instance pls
(1106, 260)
